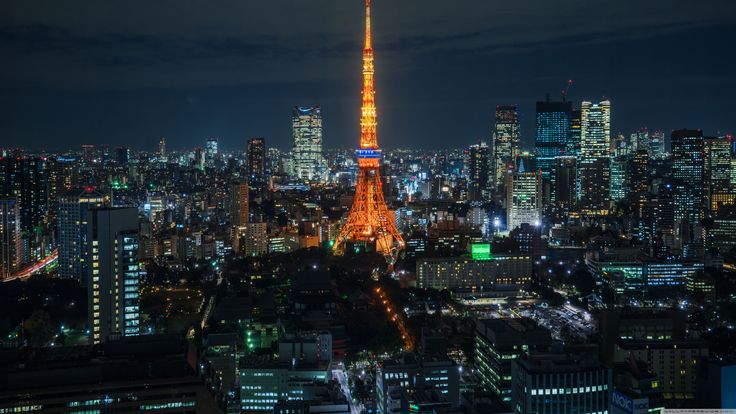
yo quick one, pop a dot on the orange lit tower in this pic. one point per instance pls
(369, 219)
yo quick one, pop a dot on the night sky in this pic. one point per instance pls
(130, 72)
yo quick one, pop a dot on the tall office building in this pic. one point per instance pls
(479, 170)
(26, 179)
(619, 165)
(595, 168)
(638, 178)
(657, 149)
(10, 240)
(687, 173)
(639, 140)
(162, 149)
(573, 139)
(505, 140)
(717, 175)
(256, 168)
(113, 296)
(122, 155)
(73, 216)
(212, 148)
(307, 150)
(552, 134)
(564, 181)
(524, 198)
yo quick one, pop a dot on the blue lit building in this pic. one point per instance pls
(636, 278)
(552, 133)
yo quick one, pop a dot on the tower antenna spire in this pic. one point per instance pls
(370, 221)
(368, 40)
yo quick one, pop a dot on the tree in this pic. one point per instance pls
(38, 328)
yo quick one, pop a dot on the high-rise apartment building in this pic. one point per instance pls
(552, 134)
(113, 281)
(239, 204)
(307, 150)
(10, 240)
(688, 164)
(73, 217)
(505, 140)
(26, 179)
(595, 150)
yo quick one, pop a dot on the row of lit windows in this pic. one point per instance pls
(556, 391)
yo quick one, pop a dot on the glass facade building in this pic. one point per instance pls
(552, 133)
(307, 161)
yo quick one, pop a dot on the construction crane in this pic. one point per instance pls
(566, 90)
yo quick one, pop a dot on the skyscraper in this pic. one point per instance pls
(552, 133)
(212, 148)
(573, 139)
(239, 204)
(25, 179)
(122, 155)
(656, 145)
(162, 149)
(479, 170)
(564, 181)
(10, 241)
(239, 213)
(687, 173)
(717, 175)
(639, 140)
(505, 140)
(113, 296)
(524, 198)
(73, 216)
(307, 150)
(619, 166)
(595, 168)
(256, 168)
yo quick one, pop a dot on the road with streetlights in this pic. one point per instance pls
(396, 317)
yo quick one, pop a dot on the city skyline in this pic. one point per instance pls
(435, 236)
(129, 81)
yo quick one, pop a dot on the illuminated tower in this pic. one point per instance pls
(369, 219)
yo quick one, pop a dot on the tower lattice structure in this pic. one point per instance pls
(369, 219)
